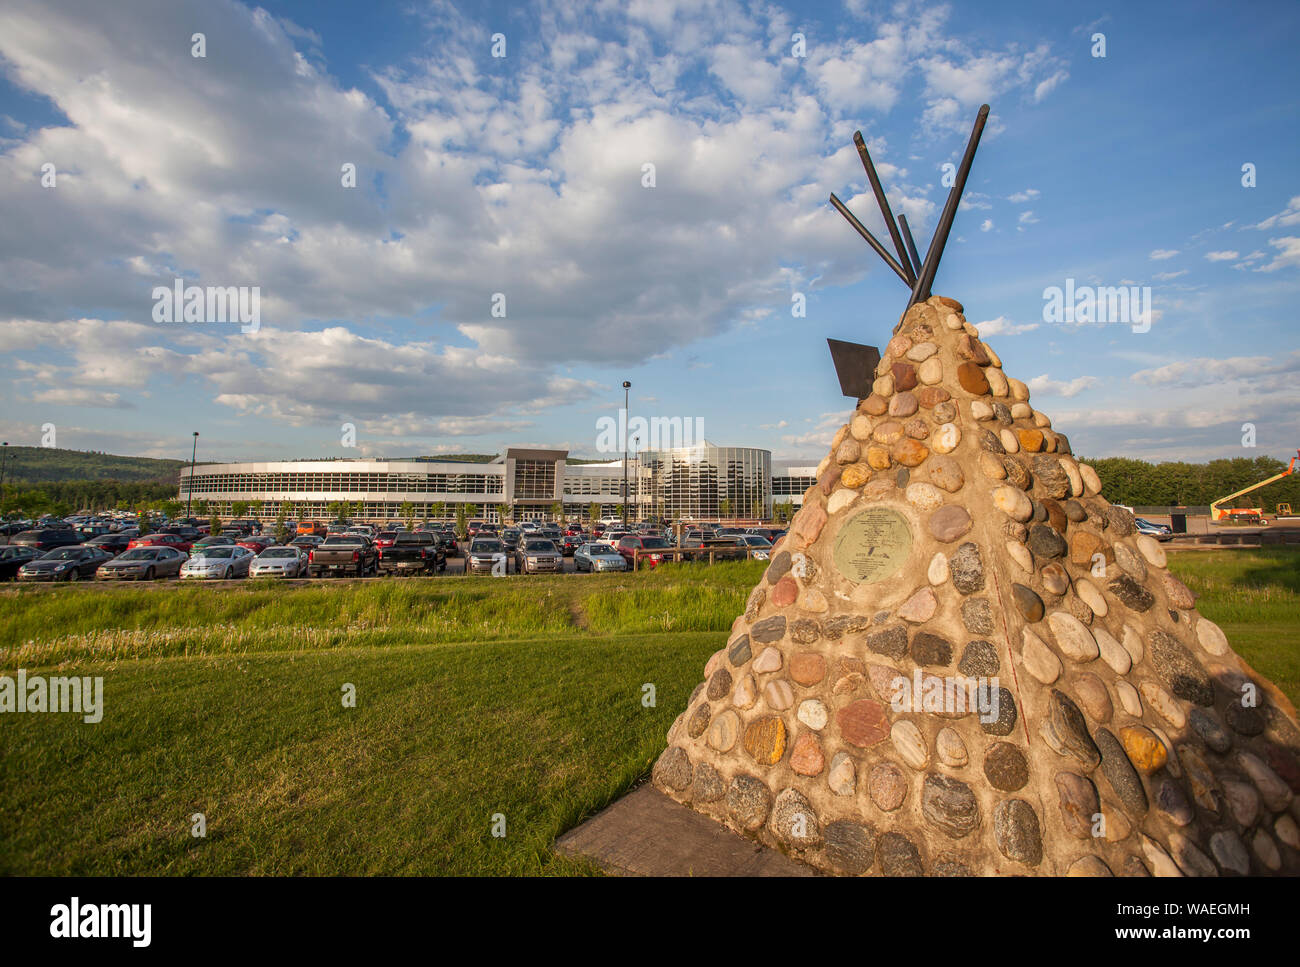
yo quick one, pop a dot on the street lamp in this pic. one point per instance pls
(626, 418)
(189, 491)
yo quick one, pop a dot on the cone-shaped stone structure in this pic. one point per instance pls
(963, 660)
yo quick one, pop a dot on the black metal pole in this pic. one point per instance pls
(189, 491)
(4, 459)
(911, 243)
(926, 279)
(871, 239)
(883, 202)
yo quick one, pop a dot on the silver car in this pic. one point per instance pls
(598, 557)
(217, 562)
(142, 564)
(280, 562)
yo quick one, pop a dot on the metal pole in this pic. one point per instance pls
(883, 202)
(628, 419)
(189, 491)
(4, 459)
(871, 239)
(922, 288)
(911, 243)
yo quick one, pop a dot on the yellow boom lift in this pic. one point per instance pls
(1250, 515)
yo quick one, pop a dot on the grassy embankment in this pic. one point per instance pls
(475, 697)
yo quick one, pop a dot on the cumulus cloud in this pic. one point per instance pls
(472, 182)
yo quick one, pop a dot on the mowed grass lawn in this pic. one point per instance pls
(477, 698)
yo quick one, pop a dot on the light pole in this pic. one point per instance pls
(189, 491)
(4, 458)
(626, 419)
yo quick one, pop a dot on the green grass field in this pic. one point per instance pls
(476, 698)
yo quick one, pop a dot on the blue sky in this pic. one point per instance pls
(523, 175)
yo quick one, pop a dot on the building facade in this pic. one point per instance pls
(703, 482)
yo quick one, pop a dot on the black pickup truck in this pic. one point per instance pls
(348, 554)
(411, 554)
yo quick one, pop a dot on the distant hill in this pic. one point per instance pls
(51, 465)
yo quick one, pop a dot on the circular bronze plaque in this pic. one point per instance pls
(873, 545)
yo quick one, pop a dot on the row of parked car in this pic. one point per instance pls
(58, 552)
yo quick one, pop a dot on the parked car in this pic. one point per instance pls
(143, 564)
(343, 554)
(305, 542)
(248, 525)
(215, 540)
(483, 553)
(174, 541)
(631, 543)
(64, 564)
(447, 541)
(14, 556)
(1161, 532)
(535, 555)
(725, 548)
(114, 544)
(286, 562)
(217, 562)
(409, 553)
(598, 556)
(256, 543)
(511, 537)
(47, 538)
(760, 548)
(570, 543)
(385, 538)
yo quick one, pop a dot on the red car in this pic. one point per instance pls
(161, 540)
(256, 544)
(385, 539)
(630, 543)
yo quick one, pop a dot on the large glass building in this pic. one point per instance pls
(703, 482)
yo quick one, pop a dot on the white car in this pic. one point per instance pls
(219, 561)
(280, 562)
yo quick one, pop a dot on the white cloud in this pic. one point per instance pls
(1020, 197)
(1288, 216)
(1288, 254)
(1161, 254)
(1226, 256)
(1002, 326)
(1167, 276)
(986, 225)
(1045, 386)
(1203, 372)
(1028, 218)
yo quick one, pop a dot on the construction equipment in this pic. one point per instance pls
(1249, 515)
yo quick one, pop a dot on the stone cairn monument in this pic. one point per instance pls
(962, 660)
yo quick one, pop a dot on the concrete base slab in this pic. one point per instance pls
(647, 834)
